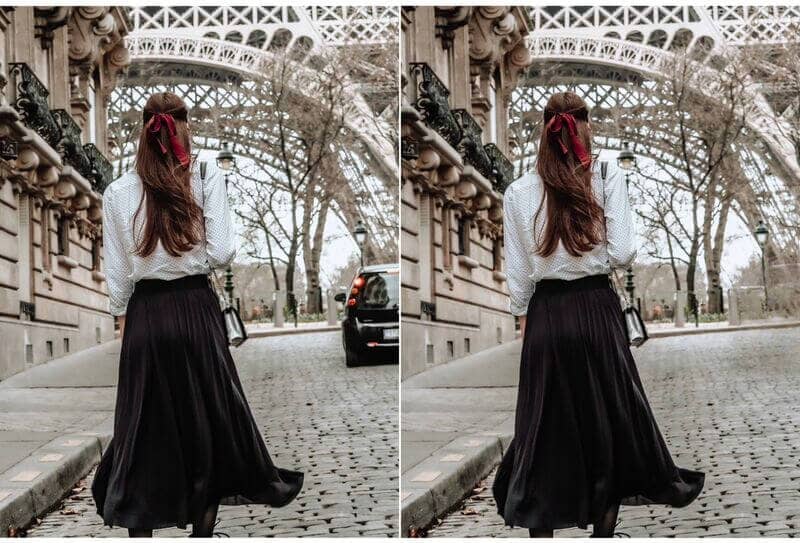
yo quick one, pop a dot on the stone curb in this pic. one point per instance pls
(691, 330)
(33, 485)
(433, 487)
(291, 330)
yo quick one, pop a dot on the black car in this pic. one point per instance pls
(371, 324)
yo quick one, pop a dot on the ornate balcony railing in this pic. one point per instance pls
(31, 103)
(101, 173)
(471, 144)
(70, 144)
(432, 102)
(502, 168)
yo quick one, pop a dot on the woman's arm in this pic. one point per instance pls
(517, 260)
(220, 249)
(116, 260)
(620, 234)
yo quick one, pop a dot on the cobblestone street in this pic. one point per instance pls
(727, 404)
(339, 425)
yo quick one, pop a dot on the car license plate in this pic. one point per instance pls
(391, 333)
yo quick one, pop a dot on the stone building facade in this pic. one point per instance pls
(460, 65)
(58, 68)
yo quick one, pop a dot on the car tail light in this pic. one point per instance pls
(357, 284)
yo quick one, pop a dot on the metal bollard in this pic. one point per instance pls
(733, 309)
(332, 309)
(277, 314)
(680, 310)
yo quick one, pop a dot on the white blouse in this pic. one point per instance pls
(123, 268)
(524, 267)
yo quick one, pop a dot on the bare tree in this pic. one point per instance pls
(706, 115)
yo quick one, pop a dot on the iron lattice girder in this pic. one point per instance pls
(652, 136)
(250, 130)
(251, 64)
(662, 25)
(325, 25)
(556, 47)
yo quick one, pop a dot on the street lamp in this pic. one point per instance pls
(225, 158)
(762, 235)
(360, 233)
(227, 162)
(627, 161)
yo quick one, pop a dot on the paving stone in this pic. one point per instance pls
(339, 425)
(726, 405)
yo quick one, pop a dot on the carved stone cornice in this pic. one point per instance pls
(497, 41)
(449, 19)
(92, 31)
(48, 19)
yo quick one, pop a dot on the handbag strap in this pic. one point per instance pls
(212, 275)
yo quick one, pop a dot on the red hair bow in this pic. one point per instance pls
(161, 120)
(554, 127)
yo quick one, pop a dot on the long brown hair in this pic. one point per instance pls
(565, 167)
(164, 166)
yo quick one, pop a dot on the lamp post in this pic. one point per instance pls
(762, 235)
(227, 162)
(360, 233)
(627, 161)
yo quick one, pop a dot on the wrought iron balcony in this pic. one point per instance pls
(101, 173)
(31, 103)
(70, 144)
(471, 145)
(432, 102)
(502, 168)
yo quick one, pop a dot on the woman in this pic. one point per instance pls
(585, 439)
(184, 436)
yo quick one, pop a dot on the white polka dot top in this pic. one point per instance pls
(524, 267)
(123, 268)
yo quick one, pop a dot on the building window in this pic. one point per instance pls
(497, 255)
(96, 250)
(49, 348)
(66, 344)
(450, 349)
(62, 233)
(447, 257)
(466, 345)
(463, 236)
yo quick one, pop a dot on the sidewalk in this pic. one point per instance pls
(458, 418)
(55, 420)
(269, 329)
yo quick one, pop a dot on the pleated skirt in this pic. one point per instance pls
(585, 437)
(184, 435)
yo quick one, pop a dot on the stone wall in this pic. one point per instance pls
(58, 68)
(460, 65)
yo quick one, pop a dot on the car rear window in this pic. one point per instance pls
(381, 290)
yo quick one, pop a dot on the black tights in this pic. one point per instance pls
(204, 526)
(603, 528)
(201, 527)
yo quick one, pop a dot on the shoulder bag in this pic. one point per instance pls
(234, 327)
(634, 324)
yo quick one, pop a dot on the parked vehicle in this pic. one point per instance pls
(371, 323)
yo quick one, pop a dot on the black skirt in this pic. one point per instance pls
(584, 436)
(184, 436)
